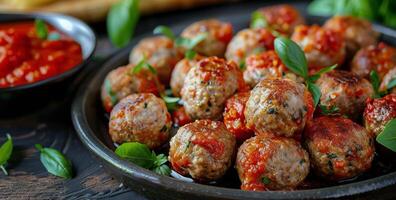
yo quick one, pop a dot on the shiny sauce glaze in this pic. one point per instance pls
(25, 58)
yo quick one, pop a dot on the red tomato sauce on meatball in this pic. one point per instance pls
(378, 112)
(180, 117)
(25, 58)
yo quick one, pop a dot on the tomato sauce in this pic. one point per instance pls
(25, 58)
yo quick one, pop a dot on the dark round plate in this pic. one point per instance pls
(91, 124)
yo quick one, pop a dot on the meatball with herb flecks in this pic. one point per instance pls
(339, 149)
(357, 32)
(234, 117)
(247, 42)
(271, 163)
(345, 91)
(218, 35)
(322, 47)
(208, 85)
(160, 52)
(279, 106)
(122, 82)
(180, 72)
(203, 150)
(379, 112)
(282, 18)
(140, 118)
(380, 58)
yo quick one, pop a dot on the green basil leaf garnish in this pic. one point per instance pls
(55, 162)
(143, 64)
(391, 84)
(5, 153)
(166, 31)
(242, 65)
(171, 102)
(317, 75)
(190, 54)
(258, 20)
(375, 82)
(41, 29)
(265, 180)
(292, 56)
(325, 111)
(190, 43)
(388, 136)
(121, 21)
(315, 91)
(110, 92)
(54, 36)
(162, 170)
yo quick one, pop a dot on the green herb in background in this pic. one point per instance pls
(388, 136)
(41, 28)
(325, 111)
(166, 31)
(391, 84)
(5, 153)
(110, 92)
(141, 155)
(294, 59)
(258, 20)
(143, 64)
(121, 21)
(55, 162)
(375, 10)
(171, 102)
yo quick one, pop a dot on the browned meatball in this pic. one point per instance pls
(346, 91)
(202, 149)
(218, 36)
(140, 118)
(278, 106)
(160, 52)
(282, 18)
(180, 72)
(358, 33)
(261, 66)
(122, 82)
(379, 112)
(208, 85)
(276, 163)
(380, 58)
(247, 42)
(322, 47)
(338, 148)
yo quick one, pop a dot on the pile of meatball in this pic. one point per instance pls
(241, 107)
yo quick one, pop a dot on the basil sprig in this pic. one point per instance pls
(121, 21)
(5, 153)
(55, 162)
(110, 92)
(171, 102)
(41, 28)
(187, 43)
(391, 84)
(294, 59)
(326, 111)
(143, 64)
(141, 155)
(375, 82)
(258, 20)
(388, 136)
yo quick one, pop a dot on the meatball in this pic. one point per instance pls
(322, 47)
(279, 106)
(140, 118)
(208, 85)
(271, 163)
(390, 76)
(379, 112)
(202, 149)
(180, 117)
(160, 52)
(339, 148)
(380, 58)
(247, 42)
(218, 36)
(264, 65)
(122, 82)
(346, 91)
(358, 33)
(234, 117)
(180, 72)
(282, 18)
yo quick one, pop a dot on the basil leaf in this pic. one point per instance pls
(121, 21)
(242, 65)
(163, 170)
(151, 68)
(391, 84)
(197, 39)
(315, 91)
(55, 162)
(388, 136)
(258, 20)
(136, 153)
(5, 153)
(265, 180)
(160, 160)
(375, 82)
(331, 111)
(182, 42)
(322, 7)
(171, 102)
(113, 96)
(137, 68)
(41, 29)
(317, 75)
(54, 36)
(190, 54)
(166, 31)
(292, 56)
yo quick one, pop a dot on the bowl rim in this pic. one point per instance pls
(44, 16)
(105, 154)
